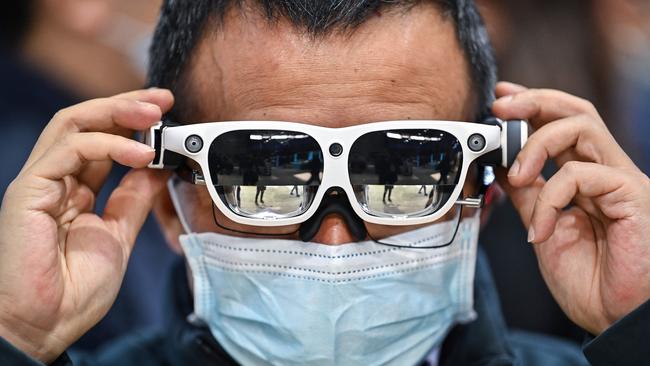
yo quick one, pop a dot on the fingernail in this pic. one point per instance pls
(513, 85)
(514, 169)
(505, 99)
(145, 148)
(531, 234)
(149, 106)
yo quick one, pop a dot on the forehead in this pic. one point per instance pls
(396, 65)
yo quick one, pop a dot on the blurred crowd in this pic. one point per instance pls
(54, 53)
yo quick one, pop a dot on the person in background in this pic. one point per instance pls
(54, 53)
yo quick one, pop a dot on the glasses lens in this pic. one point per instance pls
(404, 173)
(266, 174)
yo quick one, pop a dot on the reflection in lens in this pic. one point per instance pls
(404, 173)
(266, 173)
(399, 200)
(268, 202)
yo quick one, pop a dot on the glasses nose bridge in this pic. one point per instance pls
(335, 167)
(335, 201)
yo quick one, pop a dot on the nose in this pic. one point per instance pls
(333, 231)
(334, 222)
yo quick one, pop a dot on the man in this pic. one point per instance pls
(334, 65)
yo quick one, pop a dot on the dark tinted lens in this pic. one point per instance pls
(404, 173)
(265, 173)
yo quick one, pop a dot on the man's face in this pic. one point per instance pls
(398, 65)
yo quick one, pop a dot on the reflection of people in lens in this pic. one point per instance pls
(388, 188)
(294, 189)
(259, 193)
(314, 166)
(423, 187)
(430, 200)
(250, 176)
(445, 168)
(249, 173)
(406, 167)
(389, 178)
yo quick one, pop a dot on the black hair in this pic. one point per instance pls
(182, 22)
(15, 20)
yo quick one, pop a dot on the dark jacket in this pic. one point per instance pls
(485, 341)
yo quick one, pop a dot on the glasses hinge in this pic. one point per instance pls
(473, 202)
(197, 178)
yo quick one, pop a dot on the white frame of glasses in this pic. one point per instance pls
(173, 139)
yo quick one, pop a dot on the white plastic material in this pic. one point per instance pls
(173, 139)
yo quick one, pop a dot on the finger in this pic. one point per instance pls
(163, 98)
(577, 137)
(523, 198)
(133, 110)
(573, 179)
(94, 174)
(119, 113)
(505, 88)
(129, 204)
(80, 199)
(106, 113)
(68, 156)
(541, 106)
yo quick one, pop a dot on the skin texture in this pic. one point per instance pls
(369, 76)
(595, 256)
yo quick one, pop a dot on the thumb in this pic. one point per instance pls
(130, 203)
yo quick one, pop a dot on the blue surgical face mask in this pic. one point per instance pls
(285, 302)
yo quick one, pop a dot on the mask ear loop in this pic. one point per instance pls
(171, 187)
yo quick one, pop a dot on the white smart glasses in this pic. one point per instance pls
(269, 173)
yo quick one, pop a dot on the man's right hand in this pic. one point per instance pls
(61, 265)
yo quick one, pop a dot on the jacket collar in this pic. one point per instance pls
(484, 341)
(188, 341)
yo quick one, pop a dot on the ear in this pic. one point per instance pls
(165, 213)
(83, 17)
(494, 196)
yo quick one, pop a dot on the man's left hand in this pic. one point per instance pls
(594, 255)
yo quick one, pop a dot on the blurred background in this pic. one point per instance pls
(55, 53)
